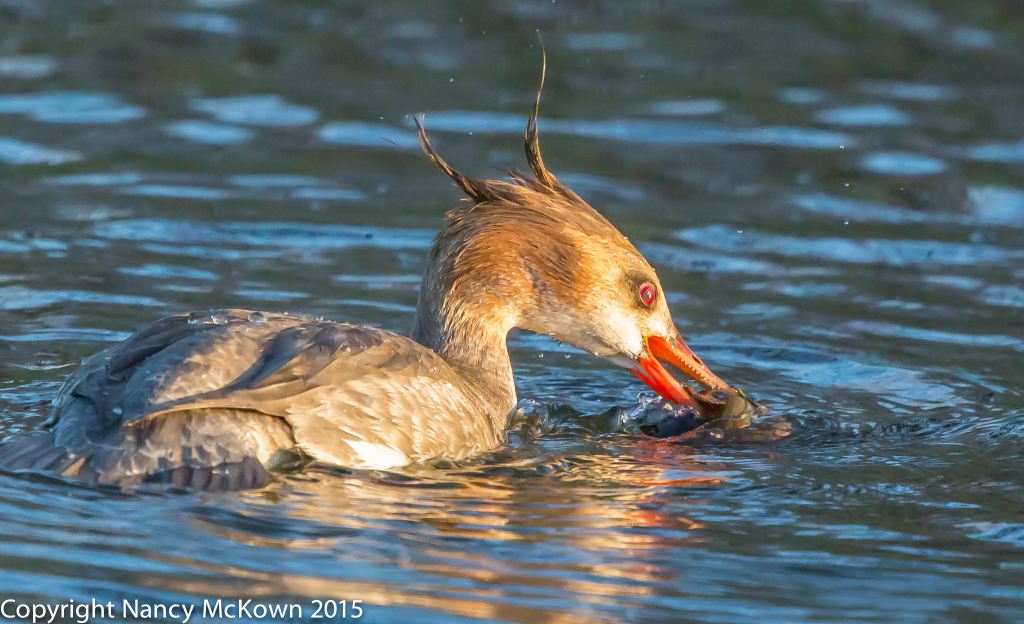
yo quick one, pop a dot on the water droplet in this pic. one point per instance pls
(194, 318)
(219, 318)
(117, 411)
(257, 317)
(540, 355)
(568, 355)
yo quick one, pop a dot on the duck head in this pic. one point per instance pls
(530, 253)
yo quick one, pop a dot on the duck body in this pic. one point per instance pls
(203, 392)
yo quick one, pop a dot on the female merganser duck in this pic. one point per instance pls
(214, 400)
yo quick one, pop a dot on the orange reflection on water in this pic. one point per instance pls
(596, 527)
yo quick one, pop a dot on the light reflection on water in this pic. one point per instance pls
(14, 152)
(206, 132)
(257, 110)
(836, 215)
(71, 107)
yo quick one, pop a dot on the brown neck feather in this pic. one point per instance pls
(467, 305)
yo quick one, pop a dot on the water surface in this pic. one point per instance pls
(831, 192)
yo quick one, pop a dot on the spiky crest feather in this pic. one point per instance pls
(487, 191)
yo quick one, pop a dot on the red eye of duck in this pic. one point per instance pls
(648, 294)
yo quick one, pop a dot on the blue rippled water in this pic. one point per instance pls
(831, 193)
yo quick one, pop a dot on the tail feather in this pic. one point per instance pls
(32, 451)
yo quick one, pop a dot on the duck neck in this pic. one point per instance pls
(471, 337)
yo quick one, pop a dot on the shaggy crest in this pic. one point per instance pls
(518, 191)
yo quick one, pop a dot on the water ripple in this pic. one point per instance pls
(382, 282)
(1006, 532)
(14, 152)
(69, 333)
(257, 110)
(640, 131)
(889, 486)
(1007, 153)
(891, 252)
(998, 204)
(24, 244)
(268, 180)
(97, 179)
(866, 115)
(208, 133)
(1007, 296)
(263, 186)
(73, 107)
(164, 271)
(701, 261)
(803, 289)
(27, 66)
(601, 41)
(853, 210)
(177, 192)
(823, 370)
(880, 328)
(909, 91)
(22, 298)
(688, 108)
(801, 96)
(367, 134)
(583, 182)
(955, 281)
(259, 294)
(991, 204)
(208, 22)
(264, 234)
(211, 252)
(903, 163)
(328, 194)
(220, 4)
